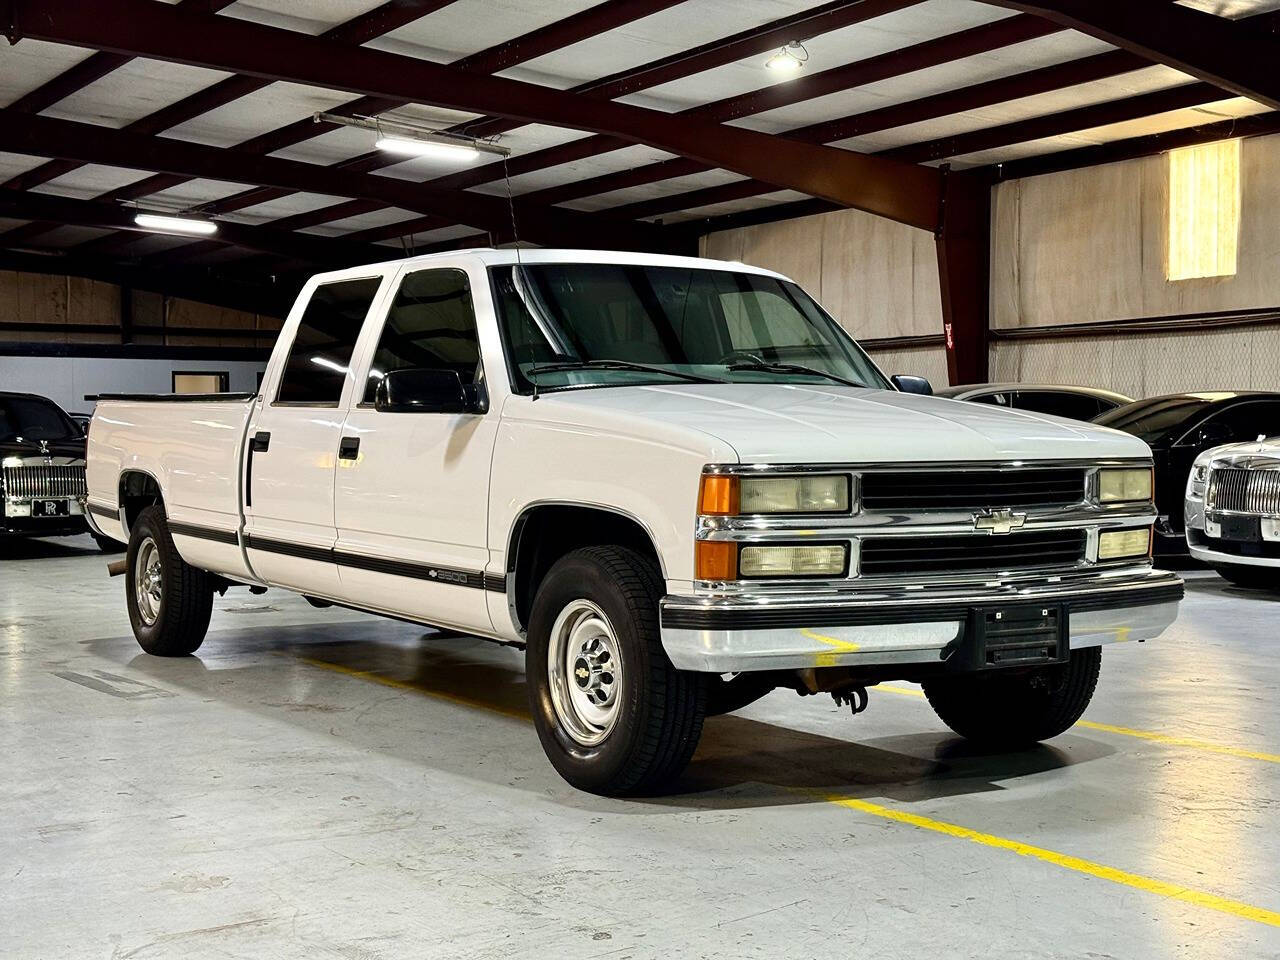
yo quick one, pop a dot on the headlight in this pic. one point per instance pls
(1196, 481)
(1124, 485)
(801, 560)
(1119, 544)
(728, 495)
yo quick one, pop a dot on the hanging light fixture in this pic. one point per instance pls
(789, 59)
(169, 223)
(409, 140)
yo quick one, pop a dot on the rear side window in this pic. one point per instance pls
(1073, 406)
(327, 332)
(430, 325)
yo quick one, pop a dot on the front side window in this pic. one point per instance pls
(589, 324)
(321, 353)
(431, 325)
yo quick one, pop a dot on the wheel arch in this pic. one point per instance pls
(137, 490)
(545, 531)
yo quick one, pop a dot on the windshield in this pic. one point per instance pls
(1152, 419)
(34, 418)
(603, 324)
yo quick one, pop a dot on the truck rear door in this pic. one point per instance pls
(293, 436)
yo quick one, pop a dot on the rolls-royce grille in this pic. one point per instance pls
(971, 489)
(39, 482)
(1244, 491)
(882, 556)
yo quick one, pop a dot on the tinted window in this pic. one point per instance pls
(1247, 421)
(1074, 406)
(34, 418)
(1153, 419)
(327, 333)
(431, 324)
(995, 399)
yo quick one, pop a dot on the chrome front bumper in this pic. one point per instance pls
(746, 632)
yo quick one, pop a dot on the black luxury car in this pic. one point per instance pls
(1179, 427)
(42, 486)
(1074, 403)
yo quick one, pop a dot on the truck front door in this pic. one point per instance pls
(412, 489)
(292, 446)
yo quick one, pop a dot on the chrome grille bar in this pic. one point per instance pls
(44, 482)
(1244, 491)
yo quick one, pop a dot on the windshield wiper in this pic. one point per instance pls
(767, 366)
(562, 365)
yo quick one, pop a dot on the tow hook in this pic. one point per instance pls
(855, 697)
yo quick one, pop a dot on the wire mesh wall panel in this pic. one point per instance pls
(1239, 358)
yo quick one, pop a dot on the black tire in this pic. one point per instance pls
(726, 696)
(181, 618)
(659, 713)
(1251, 578)
(1017, 710)
(106, 544)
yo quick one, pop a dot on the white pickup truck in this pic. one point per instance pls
(677, 483)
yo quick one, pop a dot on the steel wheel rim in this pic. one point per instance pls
(584, 670)
(148, 581)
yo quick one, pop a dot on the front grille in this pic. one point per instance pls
(915, 490)
(1244, 491)
(44, 482)
(882, 556)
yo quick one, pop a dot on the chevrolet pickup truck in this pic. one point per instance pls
(677, 483)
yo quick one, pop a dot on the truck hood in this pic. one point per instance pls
(802, 423)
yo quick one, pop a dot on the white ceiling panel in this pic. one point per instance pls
(926, 21)
(305, 16)
(29, 64)
(1018, 58)
(12, 164)
(270, 108)
(1174, 120)
(365, 221)
(439, 235)
(193, 193)
(734, 206)
(70, 236)
(1233, 8)
(138, 88)
(283, 207)
(90, 181)
(469, 26)
(652, 191)
(614, 161)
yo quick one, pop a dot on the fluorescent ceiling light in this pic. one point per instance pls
(422, 147)
(170, 224)
(790, 59)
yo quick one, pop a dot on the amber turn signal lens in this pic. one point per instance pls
(718, 496)
(715, 560)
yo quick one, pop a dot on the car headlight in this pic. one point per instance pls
(729, 495)
(1197, 480)
(1124, 485)
(1123, 544)
(793, 560)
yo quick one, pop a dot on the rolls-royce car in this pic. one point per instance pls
(42, 487)
(1060, 400)
(1179, 427)
(1233, 512)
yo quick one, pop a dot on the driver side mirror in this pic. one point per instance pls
(909, 384)
(420, 390)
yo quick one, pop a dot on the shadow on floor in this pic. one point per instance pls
(740, 763)
(25, 548)
(1216, 586)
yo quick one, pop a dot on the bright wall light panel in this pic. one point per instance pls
(1204, 210)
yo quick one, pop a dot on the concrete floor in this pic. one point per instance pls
(317, 783)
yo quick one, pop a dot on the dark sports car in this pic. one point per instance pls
(1180, 427)
(42, 487)
(1074, 403)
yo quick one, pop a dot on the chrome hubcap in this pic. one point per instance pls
(147, 581)
(585, 672)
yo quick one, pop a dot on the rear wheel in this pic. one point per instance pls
(1012, 710)
(1253, 578)
(169, 601)
(614, 715)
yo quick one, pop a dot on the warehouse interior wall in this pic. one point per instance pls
(878, 278)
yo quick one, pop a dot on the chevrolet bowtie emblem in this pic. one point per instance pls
(583, 672)
(998, 521)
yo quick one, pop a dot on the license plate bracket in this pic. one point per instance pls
(1014, 635)
(1240, 529)
(51, 508)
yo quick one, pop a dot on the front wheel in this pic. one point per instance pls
(1014, 710)
(169, 601)
(614, 715)
(1252, 578)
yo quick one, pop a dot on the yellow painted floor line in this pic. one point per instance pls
(1167, 739)
(1148, 884)
(1172, 891)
